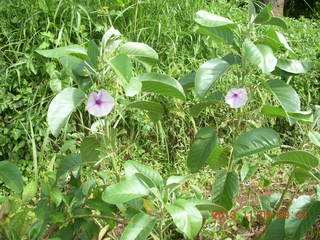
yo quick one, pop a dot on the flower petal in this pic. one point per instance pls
(236, 97)
(100, 104)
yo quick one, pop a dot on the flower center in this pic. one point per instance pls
(99, 102)
(235, 95)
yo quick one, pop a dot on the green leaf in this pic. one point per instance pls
(208, 74)
(255, 141)
(247, 172)
(252, 14)
(280, 39)
(122, 65)
(294, 67)
(139, 227)
(11, 176)
(260, 55)
(273, 111)
(298, 223)
(275, 230)
(277, 22)
(155, 110)
(264, 15)
(225, 188)
(286, 96)
(186, 217)
(173, 182)
(110, 42)
(301, 175)
(93, 53)
(215, 98)
(140, 52)
(127, 190)
(29, 191)
(206, 205)
(132, 167)
(68, 163)
(207, 19)
(205, 141)
(161, 84)
(89, 149)
(187, 81)
(75, 50)
(133, 87)
(314, 137)
(219, 34)
(61, 108)
(299, 158)
(219, 158)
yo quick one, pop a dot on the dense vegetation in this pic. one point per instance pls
(168, 78)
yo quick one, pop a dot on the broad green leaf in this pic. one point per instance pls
(208, 74)
(207, 19)
(280, 39)
(232, 59)
(188, 81)
(247, 171)
(301, 175)
(186, 217)
(110, 42)
(299, 158)
(133, 87)
(29, 191)
(260, 55)
(273, 111)
(205, 141)
(275, 230)
(314, 137)
(277, 22)
(68, 163)
(61, 108)
(11, 176)
(264, 15)
(214, 98)
(133, 167)
(89, 149)
(268, 203)
(127, 190)
(139, 227)
(161, 84)
(219, 158)
(255, 141)
(299, 223)
(225, 188)
(122, 65)
(155, 110)
(173, 182)
(252, 14)
(141, 52)
(75, 50)
(220, 34)
(294, 66)
(206, 205)
(286, 96)
(79, 70)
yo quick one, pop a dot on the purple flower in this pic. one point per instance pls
(100, 104)
(246, 183)
(236, 97)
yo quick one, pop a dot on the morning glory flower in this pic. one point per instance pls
(236, 97)
(100, 104)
